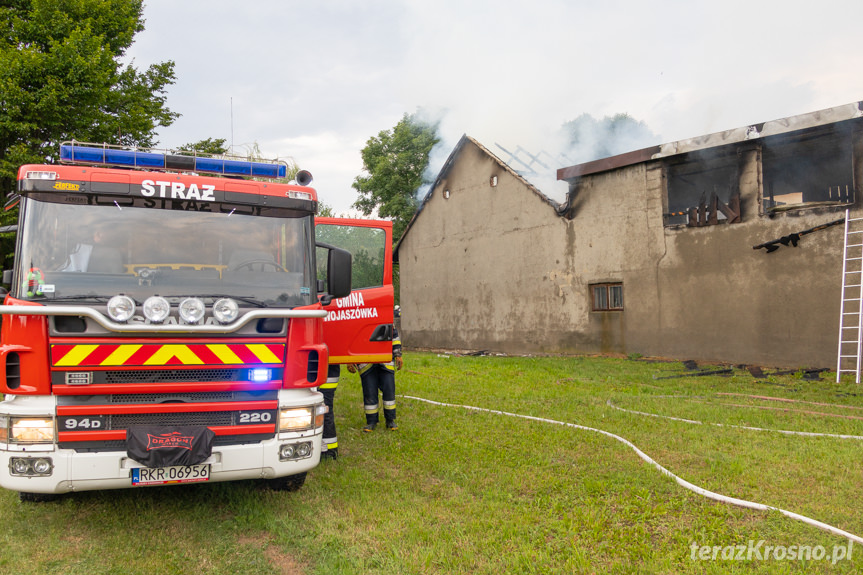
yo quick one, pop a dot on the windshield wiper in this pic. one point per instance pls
(90, 298)
(246, 300)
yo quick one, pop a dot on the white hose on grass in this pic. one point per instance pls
(693, 421)
(664, 471)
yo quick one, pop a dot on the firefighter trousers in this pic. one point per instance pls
(379, 378)
(330, 443)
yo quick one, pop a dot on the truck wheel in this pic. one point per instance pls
(36, 497)
(289, 483)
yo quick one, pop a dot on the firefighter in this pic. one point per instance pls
(380, 377)
(330, 444)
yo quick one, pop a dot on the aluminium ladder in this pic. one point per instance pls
(851, 309)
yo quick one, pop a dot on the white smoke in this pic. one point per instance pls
(538, 158)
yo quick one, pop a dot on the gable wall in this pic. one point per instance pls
(484, 268)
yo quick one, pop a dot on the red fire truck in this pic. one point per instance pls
(165, 326)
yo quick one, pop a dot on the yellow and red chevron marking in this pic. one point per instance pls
(144, 354)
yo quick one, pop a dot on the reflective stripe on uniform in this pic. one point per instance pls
(334, 373)
(371, 408)
(331, 442)
(390, 404)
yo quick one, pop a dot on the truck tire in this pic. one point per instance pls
(36, 497)
(288, 483)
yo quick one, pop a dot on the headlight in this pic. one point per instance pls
(156, 309)
(31, 430)
(30, 466)
(295, 419)
(192, 310)
(121, 308)
(226, 310)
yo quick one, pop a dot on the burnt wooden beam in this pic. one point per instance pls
(713, 217)
(731, 210)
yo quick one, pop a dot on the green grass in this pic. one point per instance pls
(463, 491)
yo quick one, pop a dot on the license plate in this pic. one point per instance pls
(165, 475)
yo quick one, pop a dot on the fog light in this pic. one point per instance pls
(42, 466)
(192, 310)
(28, 466)
(156, 309)
(226, 310)
(296, 451)
(286, 452)
(121, 308)
(19, 466)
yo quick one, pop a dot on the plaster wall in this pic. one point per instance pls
(486, 267)
(495, 267)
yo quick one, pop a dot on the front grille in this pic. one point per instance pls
(173, 419)
(179, 397)
(203, 418)
(133, 377)
(103, 446)
(149, 398)
(173, 375)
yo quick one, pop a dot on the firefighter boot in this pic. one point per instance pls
(332, 453)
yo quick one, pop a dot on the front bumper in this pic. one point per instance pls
(113, 470)
(85, 471)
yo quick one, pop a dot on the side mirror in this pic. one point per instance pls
(338, 273)
(7, 277)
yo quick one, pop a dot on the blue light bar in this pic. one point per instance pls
(104, 155)
(111, 156)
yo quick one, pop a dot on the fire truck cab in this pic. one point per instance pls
(167, 326)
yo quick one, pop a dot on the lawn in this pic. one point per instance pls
(459, 490)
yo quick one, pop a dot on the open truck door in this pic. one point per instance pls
(358, 328)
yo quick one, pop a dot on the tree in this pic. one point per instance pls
(325, 210)
(61, 78)
(395, 163)
(211, 146)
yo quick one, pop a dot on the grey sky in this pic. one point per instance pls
(315, 79)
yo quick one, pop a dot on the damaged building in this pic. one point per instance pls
(726, 247)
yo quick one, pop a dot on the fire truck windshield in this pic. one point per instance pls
(92, 252)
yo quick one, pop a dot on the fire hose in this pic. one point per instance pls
(680, 481)
(692, 421)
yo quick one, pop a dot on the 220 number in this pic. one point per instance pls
(256, 417)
